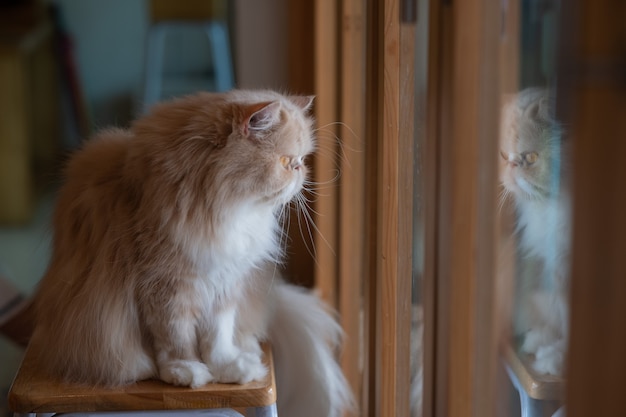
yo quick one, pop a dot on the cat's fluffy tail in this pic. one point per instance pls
(304, 336)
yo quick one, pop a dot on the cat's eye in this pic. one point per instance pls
(531, 157)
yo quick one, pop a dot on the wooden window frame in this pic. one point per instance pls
(470, 67)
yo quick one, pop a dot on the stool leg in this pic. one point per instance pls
(220, 54)
(154, 65)
(267, 411)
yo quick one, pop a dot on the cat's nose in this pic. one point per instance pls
(509, 158)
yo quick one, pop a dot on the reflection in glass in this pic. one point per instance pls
(534, 179)
(417, 323)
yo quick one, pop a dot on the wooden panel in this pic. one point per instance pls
(301, 26)
(352, 190)
(594, 102)
(467, 212)
(429, 165)
(394, 216)
(300, 267)
(325, 164)
(373, 92)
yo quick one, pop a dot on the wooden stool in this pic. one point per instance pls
(540, 395)
(208, 17)
(33, 392)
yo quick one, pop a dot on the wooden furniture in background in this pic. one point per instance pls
(33, 391)
(29, 112)
(209, 17)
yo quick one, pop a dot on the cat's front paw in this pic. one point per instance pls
(244, 368)
(185, 373)
(549, 359)
(534, 339)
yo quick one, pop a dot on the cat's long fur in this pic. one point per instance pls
(535, 175)
(166, 238)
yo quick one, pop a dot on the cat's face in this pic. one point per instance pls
(268, 147)
(529, 147)
(240, 146)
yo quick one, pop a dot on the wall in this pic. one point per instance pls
(261, 43)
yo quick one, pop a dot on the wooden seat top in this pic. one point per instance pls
(537, 386)
(34, 391)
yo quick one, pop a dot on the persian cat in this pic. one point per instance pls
(535, 175)
(166, 241)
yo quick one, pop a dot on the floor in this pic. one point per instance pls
(24, 254)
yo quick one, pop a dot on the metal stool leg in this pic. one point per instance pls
(268, 411)
(220, 53)
(154, 65)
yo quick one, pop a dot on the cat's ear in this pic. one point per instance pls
(303, 102)
(539, 109)
(260, 117)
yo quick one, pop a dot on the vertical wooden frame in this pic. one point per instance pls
(325, 163)
(466, 287)
(352, 201)
(592, 100)
(394, 220)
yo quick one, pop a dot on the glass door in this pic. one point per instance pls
(534, 208)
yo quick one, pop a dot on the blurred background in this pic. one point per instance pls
(70, 67)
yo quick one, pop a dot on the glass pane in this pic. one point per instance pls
(535, 215)
(420, 97)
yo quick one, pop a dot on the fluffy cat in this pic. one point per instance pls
(166, 239)
(535, 176)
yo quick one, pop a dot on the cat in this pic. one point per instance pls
(166, 241)
(535, 174)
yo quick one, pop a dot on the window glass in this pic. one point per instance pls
(534, 209)
(419, 187)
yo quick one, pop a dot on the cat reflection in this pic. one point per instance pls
(535, 176)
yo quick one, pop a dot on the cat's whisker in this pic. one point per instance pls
(309, 208)
(317, 191)
(324, 129)
(310, 247)
(310, 222)
(503, 197)
(340, 154)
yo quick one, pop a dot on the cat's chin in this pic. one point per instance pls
(284, 195)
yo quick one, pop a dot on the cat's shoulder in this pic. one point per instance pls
(104, 152)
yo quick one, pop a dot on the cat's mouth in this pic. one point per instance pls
(285, 194)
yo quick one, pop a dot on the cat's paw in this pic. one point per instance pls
(549, 359)
(244, 368)
(185, 373)
(534, 339)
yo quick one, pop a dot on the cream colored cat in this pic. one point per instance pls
(535, 175)
(166, 239)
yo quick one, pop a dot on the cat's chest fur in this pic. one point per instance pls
(544, 230)
(224, 254)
